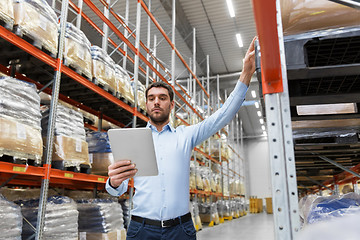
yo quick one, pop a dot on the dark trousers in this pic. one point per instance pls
(141, 231)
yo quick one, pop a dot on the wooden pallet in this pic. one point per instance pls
(106, 87)
(83, 168)
(19, 158)
(79, 71)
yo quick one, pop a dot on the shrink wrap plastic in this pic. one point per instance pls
(194, 210)
(69, 141)
(300, 16)
(103, 68)
(99, 215)
(317, 209)
(208, 212)
(192, 181)
(125, 206)
(20, 102)
(68, 122)
(38, 20)
(11, 220)
(20, 117)
(124, 85)
(7, 11)
(77, 50)
(141, 101)
(61, 218)
(100, 152)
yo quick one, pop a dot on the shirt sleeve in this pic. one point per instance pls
(117, 191)
(209, 126)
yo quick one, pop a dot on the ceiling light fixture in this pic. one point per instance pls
(261, 121)
(264, 133)
(324, 109)
(258, 113)
(253, 94)
(263, 127)
(239, 40)
(257, 105)
(231, 8)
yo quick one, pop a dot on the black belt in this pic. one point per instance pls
(163, 223)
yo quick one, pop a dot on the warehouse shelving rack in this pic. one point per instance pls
(16, 174)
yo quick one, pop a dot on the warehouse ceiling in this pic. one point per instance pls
(328, 73)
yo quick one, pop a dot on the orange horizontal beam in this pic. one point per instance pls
(266, 26)
(207, 156)
(171, 45)
(132, 47)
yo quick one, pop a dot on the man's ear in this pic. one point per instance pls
(172, 104)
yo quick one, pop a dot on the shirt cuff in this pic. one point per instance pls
(115, 191)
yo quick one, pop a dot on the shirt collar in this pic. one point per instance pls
(166, 127)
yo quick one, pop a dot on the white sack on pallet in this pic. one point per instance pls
(99, 215)
(77, 50)
(19, 100)
(61, 218)
(68, 122)
(7, 11)
(11, 220)
(124, 85)
(36, 19)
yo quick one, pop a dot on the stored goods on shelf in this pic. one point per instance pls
(7, 12)
(208, 212)
(77, 51)
(37, 20)
(99, 216)
(99, 152)
(300, 16)
(194, 210)
(124, 85)
(192, 180)
(125, 205)
(319, 209)
(61, 218)
(70, 147)
(16, 194)
(11, 220)
(140, 94)
(20, 135)
(103, 69)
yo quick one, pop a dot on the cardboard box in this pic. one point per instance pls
(37, 21)
(72, 150)
(20, 140)
(100, 163)
(269, 207)
(115, 235)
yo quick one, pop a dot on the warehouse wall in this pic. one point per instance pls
(257, 167)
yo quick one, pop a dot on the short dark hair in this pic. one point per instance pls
(158, 85)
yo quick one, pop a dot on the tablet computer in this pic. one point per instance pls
(137, 145)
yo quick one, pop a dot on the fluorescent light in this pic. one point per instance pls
(261, 121)
(256, 104)
(263, 127)
(259, 113)
(239, 40)
(231, 8)
(264, 132)
(253, 94)
(324, 109)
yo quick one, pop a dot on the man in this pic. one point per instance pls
(161, 203)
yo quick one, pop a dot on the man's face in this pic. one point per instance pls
(158, 105)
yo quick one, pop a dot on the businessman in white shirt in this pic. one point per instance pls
(161, 203)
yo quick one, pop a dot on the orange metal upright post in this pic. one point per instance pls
(277, 106)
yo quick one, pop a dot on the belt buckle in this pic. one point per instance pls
(163, 224)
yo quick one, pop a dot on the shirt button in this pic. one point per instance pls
(162, 174)
(163, 189)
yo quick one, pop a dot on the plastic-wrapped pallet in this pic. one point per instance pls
(70, 147)
(208, 212)
(141, 101)
(98, 217)
(7, 12)
(77, 50)
(103, 68)
(11, 220)
(326, 208)
(124, 85)
(125, 205)
(195, 215)
(36, 19)
(61, 218)
(99, 152)
(20, 132)
(192, 181)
